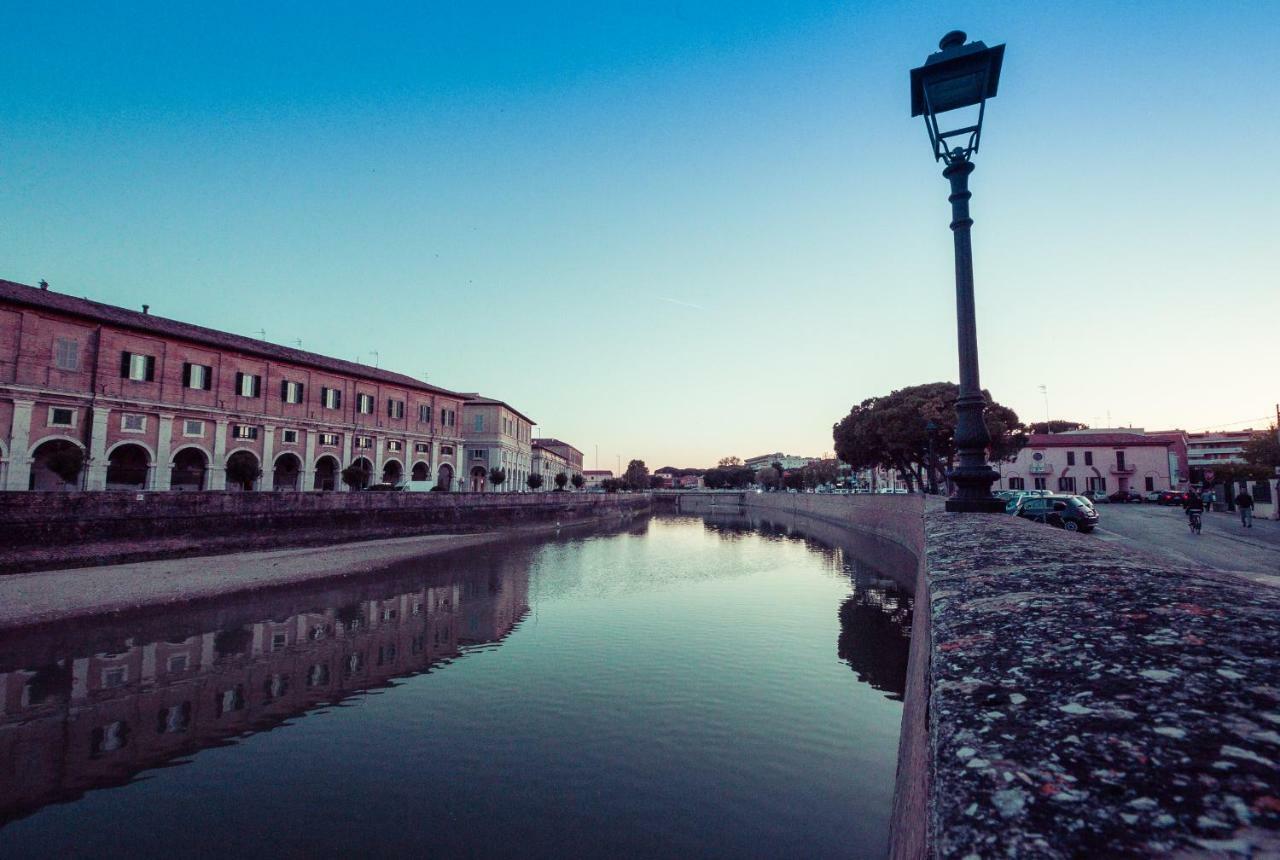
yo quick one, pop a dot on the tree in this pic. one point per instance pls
(355, 476)
(890, 431)
(794, 480)
(561, 480)
(729, 461)
(1057, 425)
(497, 476)
(611, 485)
(656, 482)
(534, 480)
(637, 476)
(769, 478)
(243, 469)
(65, 461)
(1263, 450)
(578, 481)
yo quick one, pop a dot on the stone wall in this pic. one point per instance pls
(39, 530)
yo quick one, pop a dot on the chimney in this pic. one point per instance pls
(146, 309)
(44, 285)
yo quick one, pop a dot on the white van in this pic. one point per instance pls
(419, 486)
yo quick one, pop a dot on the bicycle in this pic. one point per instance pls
(1194, 521)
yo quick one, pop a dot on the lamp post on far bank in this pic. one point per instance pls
(962, 76)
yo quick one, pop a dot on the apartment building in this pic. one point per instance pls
(95, 397)
(496, 436)
(1096, 460)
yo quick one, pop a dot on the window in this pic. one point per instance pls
(66, 353)
(59, 417)
(248, 385)
(329, 440)
(136, 367)
(197, 376)
(1071, 458)
(1097, 485)
(1151, 483)
(1120, 460)
(393, 445)
(1067, 484)
(133, 423)
(244, 431)
(421, 448)
(477, 454)
(1016, 483)
(331, 398)
(446, 450)
(364, 441)
(1088, 458)
(192, 428)
(424, 413)
(395, 408)
(291, 392)
(364, 404)
(479, 424)
(1039, 483)
(289, 437)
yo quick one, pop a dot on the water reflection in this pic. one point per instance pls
(875, 621)
(111, 705)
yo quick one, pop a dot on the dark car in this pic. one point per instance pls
(1172, 497)
(1125, 496)
(1066, 512)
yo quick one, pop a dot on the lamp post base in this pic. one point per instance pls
(973, 490)
(975, 506)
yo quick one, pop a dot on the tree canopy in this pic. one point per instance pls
(1263, 450)
(891, 431)
(1057, 425)
(637, 475)
(726, 462)
(534, 480)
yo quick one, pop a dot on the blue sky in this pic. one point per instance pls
(673, 230)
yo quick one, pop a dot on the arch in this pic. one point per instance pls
(367, 467)
(189, 467)
(57, 464)
(327, 473)
(392, 471)
(128, 466)
(243, 470)
(31, 452)
(421, 471)
(479, 475)
(287, 473)
(173, 457)
(444, 477)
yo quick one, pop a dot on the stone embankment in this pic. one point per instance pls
(39, 531)
(1069, 697)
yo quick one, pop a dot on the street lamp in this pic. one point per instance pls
(962, 76)
(931, 429)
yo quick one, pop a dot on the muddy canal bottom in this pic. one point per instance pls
(690, 686)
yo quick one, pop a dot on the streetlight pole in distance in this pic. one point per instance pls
(1044, 389)
(959, 76)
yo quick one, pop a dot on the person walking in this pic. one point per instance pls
(1244, 504)
(1208, 498)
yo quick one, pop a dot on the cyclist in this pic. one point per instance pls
(1193, 505)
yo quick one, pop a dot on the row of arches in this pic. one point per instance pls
(57, 464)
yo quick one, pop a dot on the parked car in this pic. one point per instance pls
(1172, 497)
(1072, 513)
(1152, 495)
(1125, 496)
(1096, 496)
(385, 487)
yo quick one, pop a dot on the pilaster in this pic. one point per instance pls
(308, 477)
(267, 482)
(162, 473)
(218, 468)
(19, 441)
(96, 464)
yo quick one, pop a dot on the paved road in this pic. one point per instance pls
(1222, 544)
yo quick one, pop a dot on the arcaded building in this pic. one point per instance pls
(94, 397)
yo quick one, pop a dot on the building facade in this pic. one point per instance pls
(1095, 460)
(788, 461)
(95, 397)
(595, 478)
(549, 462)
(571, 455)
(1215, 449)
(497, 436)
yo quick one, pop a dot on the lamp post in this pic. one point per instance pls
(962, 76)
(931, 429)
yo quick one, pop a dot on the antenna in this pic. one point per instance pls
(377, 356)
(298, 341)
(262, 334)
(1045, 391)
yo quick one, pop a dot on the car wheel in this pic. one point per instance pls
(1071, 526)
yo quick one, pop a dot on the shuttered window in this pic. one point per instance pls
(137, 367)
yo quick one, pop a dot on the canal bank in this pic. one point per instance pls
(1070, 697)
(46, 531)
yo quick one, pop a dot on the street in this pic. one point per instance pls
(1223, 543)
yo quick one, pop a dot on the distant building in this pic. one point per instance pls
(497, 436)
(548, 462)
(596, 477)
(1078, 461)
(788, 461)
(1215, 449)
(571, 455)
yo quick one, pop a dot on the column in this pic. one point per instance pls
(378, 444)
(346, 460)
(435, 458)
(96, 473)
(162, 473)
(19, 442)
(308, 477)
(218, 468)
(268, 481)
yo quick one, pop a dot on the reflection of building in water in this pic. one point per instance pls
(97, 719)
(875, 632)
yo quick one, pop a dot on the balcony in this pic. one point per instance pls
(1118, 469)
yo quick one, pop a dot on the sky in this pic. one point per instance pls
(673, 231)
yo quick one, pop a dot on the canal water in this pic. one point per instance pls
(678, 686)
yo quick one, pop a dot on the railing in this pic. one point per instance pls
(1118, 469)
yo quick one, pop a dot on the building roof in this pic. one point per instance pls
(1084, 438)
(608, 472)
(475, 399)
(34, 297)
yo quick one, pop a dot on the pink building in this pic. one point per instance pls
(1097, 460)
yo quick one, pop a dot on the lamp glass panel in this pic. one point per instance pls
(956, 91)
